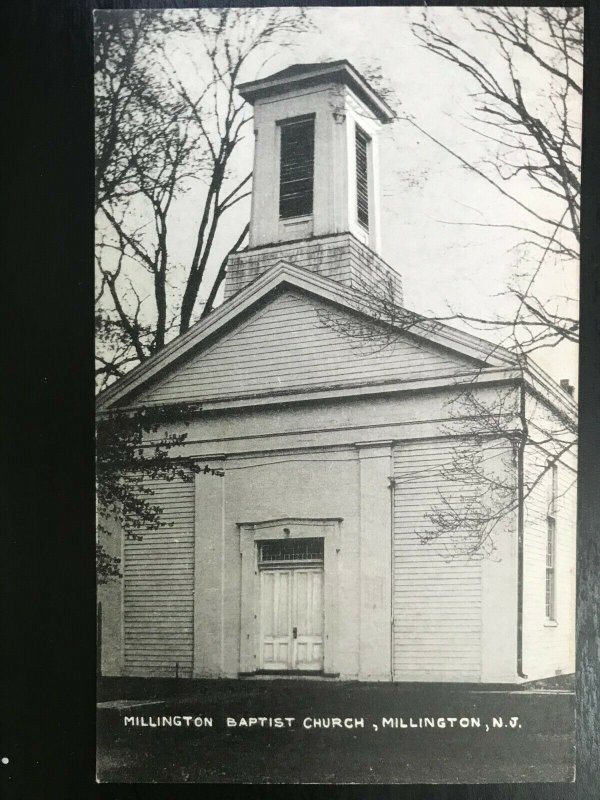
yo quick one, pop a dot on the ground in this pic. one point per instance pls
(540, 748)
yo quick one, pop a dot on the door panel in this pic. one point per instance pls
(307, 612)
(291, 619)
(276, 649)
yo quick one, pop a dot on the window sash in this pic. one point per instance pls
(550, 569)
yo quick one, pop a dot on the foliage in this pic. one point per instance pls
(129, 455)
(107, 566)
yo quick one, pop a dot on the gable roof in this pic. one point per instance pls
(280, 277)
(298, 343)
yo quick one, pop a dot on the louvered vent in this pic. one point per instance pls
(297, 167)
(362, 178)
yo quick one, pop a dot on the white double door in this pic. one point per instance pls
(291, 618)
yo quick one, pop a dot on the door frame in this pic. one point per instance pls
(250, 533)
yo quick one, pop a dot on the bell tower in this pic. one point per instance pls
(316, 170)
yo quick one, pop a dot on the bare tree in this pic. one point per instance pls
(528, 109)
(158, 133)
(500, 458)
(155, 135)
(525, 105)
(501, 443)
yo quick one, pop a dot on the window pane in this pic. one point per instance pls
(550, 543)
(296, 168)
(550, 593)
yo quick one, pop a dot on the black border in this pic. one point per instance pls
(47, 722)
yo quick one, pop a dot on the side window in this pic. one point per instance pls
(296, 169)
(362, 178)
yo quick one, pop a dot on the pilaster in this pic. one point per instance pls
(375, 554)
(209, 573)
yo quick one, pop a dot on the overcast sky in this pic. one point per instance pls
(425, 191)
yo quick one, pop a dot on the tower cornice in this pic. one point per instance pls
(302, 75)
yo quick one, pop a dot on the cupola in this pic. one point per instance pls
(316, 170)
(316, 165)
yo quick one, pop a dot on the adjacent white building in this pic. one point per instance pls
(313, 552)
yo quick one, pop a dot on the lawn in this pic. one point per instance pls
(539, 748)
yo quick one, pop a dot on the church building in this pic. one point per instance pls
(314, 537)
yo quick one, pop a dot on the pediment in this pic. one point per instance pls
(298, 342)
(293, 330)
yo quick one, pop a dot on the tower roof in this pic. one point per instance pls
(299, 75)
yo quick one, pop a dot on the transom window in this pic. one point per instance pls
(362, 178)
(290, 550)
(296, 171)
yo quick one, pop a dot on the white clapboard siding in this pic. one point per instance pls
(548, 648)
(294, 343)
(436, 595)
(158, 587)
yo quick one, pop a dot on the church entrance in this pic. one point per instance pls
(291, 604)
